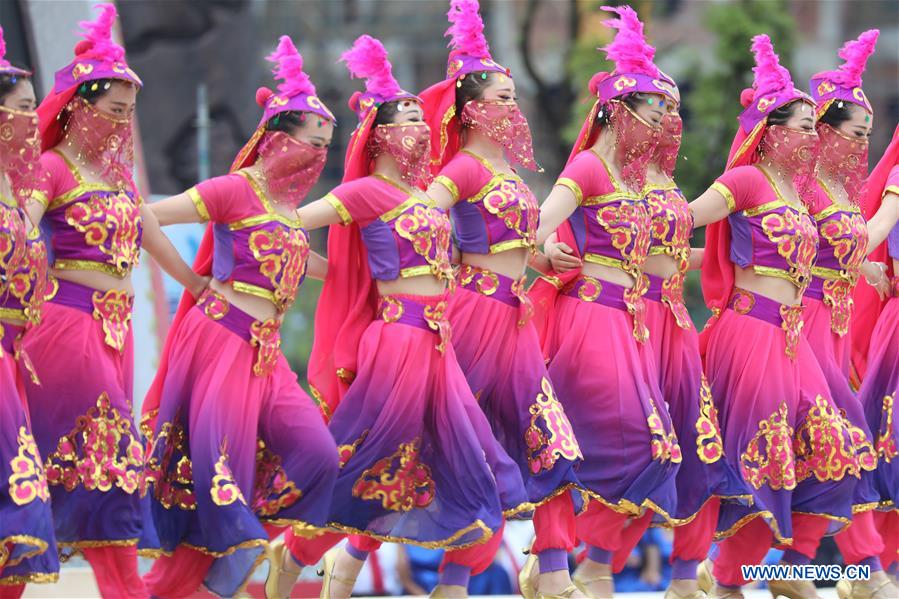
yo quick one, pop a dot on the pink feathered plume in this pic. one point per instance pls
(98, 42)
(289, 69)
(629, 50)
(467, 29)
(770, 76)
(855, 53)
(367, 59)
(3, 61)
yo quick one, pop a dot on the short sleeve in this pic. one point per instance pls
(463, 176)
(220, 199)
(585, 176)
(892, 185)
(350, 201)
(739, 186)
(54, 179)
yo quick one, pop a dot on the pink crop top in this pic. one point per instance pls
(91, 225)
(493, 211)
(672, 223)
(26, 281)
(257, 250)
(776, 238)
(405, 235)
(612, 225)
(893, 238)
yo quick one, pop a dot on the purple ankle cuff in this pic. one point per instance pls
(684, 569)
(455, 575)
(873, 562)
(600, 556)
(795, 558)
(359, 554)
(552, 560)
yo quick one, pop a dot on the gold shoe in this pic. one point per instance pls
(704, 578)
(584, 584)
(867, 589)
(792, 589)
(329, 562)
(439, 592)
(565, 594)
(697, 594)
(722, 593)
(277, 555)
(525, 578)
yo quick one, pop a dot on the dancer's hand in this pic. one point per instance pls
(198, 286)
(875, 275)
(561, 256)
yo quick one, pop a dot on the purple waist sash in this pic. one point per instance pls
(263, 335)
(788, 318)
(498, 287)
(423, 312)
(593, 290)
(112, 308)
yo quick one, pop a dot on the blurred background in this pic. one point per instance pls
(202, 60)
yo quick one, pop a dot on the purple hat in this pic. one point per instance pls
(367, 59)
(470, 52)
(772, 88)
(634, 68)
(97, 56)
(296, 93)
(845, 83)
(5, 67)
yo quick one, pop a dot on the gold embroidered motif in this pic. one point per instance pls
(27, 481)
(346, 452)
(224, 490)
(172, 475)
(664, 444)
(544, 449)
(768, 458)
(113, 309)
(273, 491)
(709, 446)
(265, 336)
(886, 443)
(92, 454)
(822, 445)
(400, 482)
(109, 221)
(282, 255)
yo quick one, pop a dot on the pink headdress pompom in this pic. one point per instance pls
(747, 96)
(98, 43)
(367, 59)
(595, 80)
(629, 50)
(467, 29)
(3, 61)
(770, 76)
(855, 53)
(289, 69)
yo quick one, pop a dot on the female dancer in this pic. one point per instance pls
(408, 429)
(844, 124)
(476, 130)
(236, 441)
(82, 350)
(781, 430)
(877, 362)
(27, 544)
(600, 214)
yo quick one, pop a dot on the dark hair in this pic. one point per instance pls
(837, 113)
(8, 82)
(387, 112)
(471, 87)
(288, 122)
(782, 114)
(632, 101)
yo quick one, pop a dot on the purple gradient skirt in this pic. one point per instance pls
(609, 385)
(81, 416)
(781, 429)
(832, 351)
(237, 444)
(27, 544)
(419, 463)
(879, 396)
(703, 473)
(498, 350)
